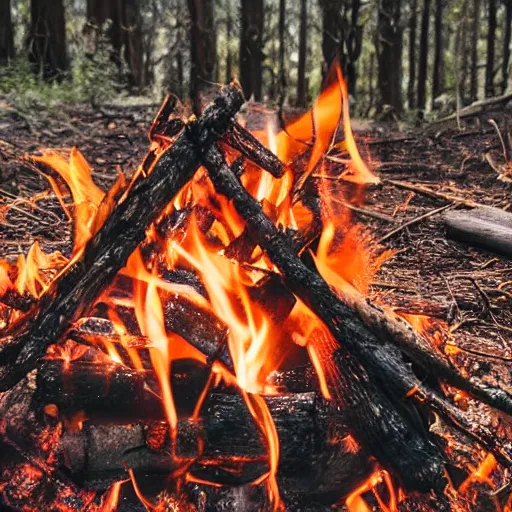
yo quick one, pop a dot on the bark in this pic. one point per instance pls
(6, 33)
(124, 33)
(303, 36)
(489, 63)
(390, 55)
(133, 46)
(411, 86)
(203, 49)
(354, 45)
(282, 53)
(475, 36)
(506, 45)
(98, 12)
(438, 71)
(332, 32)
(251, 48)
(229, 34)
(47, 43)
(423, 56)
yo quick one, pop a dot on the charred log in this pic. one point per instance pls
(376, 363)
(354, 337)
(311, 460)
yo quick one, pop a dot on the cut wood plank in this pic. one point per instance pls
(489, 228)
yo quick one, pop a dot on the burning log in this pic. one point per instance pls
(314, 454)
(72, 293)
(382, 364)
(490, 228)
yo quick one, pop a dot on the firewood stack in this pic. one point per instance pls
(72, 427)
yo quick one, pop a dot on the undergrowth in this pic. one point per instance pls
(93, 79)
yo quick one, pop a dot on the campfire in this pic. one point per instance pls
(209, 342)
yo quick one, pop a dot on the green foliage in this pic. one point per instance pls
(92, 79)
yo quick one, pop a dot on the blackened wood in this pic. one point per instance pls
(489, 228)
(241, 140)
(74, 292)
(380, 360)
(388, 373)
(115, 393)
(311, 446)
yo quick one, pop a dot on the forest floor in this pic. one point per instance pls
(468, 288)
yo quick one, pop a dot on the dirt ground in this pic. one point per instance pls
(468, 288)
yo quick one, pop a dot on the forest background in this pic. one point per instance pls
(403, 59)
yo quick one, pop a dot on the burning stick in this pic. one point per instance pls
(383, 363)
(71, 294)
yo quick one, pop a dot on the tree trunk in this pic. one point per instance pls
(229, 32)
(98, 12)
(47, 43)
(475, 36)
(506, 45)
(203, 48)
(133, 48)
(489, 63)
(303, 35)
(124, 33)
(6, 33)
(437, 78)
(251, 47)
(390, 55)
(332, 32)
(283, 82)
(354, 45)
(411, 87)
(423, 57)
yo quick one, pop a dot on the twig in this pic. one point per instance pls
(406, 185)
(411, 222)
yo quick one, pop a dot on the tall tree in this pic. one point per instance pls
(282, 52)
(389, 52)
(303, 37)
(47, 45)
(489, 63)
(133, 47)
(506, 45)
(423, 56)
(123, 22)
(332, 32)
(411, 86)
(6, 33)
(475, 36)
(438, 71)
(251, 47)
(229, 33)
(354, 45)
(203, 48)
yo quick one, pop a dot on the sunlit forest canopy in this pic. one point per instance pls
(400, 57)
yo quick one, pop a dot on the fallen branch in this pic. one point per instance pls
(413, 221)
(490, 228)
